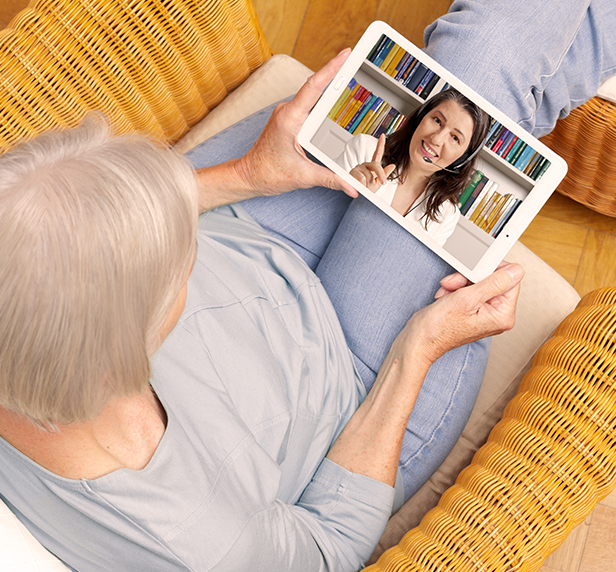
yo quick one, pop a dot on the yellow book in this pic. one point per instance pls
(346, 104)
(390, 56)
(351, 110)
(481, 205)
(391, 68)
(506, 206)
(489, 217)
(377, 118)
(489, 207)
(486, 208)
(368, 118)
(339, 102)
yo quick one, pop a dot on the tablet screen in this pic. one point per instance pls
(486, 177)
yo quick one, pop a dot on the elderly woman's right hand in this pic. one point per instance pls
(276, 163)
(372, 174)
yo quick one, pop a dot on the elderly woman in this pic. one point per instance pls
(183, 399)
(180, 399)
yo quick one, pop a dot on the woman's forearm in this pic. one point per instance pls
(370, 443)
(224, 184)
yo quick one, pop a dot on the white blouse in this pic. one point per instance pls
(360, 149)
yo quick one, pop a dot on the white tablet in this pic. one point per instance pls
(499, 186)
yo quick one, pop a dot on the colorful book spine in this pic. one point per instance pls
(368, 117)
(468, 204)
(505, 218)
(377, 47)
(479, 202)
(390, 57)
(468, 191)
(383, 52)
(361, 113)
(414, 80)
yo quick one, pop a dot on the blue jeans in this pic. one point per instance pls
(376, 274)
(534, 60)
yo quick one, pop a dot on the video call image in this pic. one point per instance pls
(449, 167)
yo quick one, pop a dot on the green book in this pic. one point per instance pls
(470, 188)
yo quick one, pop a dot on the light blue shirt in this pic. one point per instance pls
(257, 382)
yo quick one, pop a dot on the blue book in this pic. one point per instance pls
(401, 64)
(505, 146)
(524, 158)
(386, 49)
(409, 71)
(495, 125)
(415, 79)
(375, 50)
(425, 80)
(362, 112)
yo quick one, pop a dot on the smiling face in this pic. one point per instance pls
(443, 136)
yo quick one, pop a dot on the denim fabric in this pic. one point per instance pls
(551, 57)
(535, 61)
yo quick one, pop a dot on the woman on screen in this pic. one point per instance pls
(421, 169)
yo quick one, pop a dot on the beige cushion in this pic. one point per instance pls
(607, 90)
(279, 77)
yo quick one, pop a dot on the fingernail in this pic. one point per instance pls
(439, 293)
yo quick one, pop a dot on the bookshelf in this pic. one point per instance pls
(468, 242)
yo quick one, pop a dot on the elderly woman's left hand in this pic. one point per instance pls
(276, 163)
(465, 312)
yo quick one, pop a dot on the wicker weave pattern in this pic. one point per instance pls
(544, 467)
(587, 141)
(157, 66)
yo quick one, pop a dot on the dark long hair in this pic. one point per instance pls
(442, 186)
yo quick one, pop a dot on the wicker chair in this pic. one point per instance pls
(149, 65)
(159, 66)
(544, 467)
(586, 139)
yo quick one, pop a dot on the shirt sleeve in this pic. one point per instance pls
(334, 527)
(357, 150)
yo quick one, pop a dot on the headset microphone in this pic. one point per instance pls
(453, 171)
(455, 168)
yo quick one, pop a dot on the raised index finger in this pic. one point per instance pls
(380, 149)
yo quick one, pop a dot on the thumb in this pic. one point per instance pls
(499, 282)
(389, 170)
(323, 177)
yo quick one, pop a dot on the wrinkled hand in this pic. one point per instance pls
(465, 312)
(277, 163)
(372, 174)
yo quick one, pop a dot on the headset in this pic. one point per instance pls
(457, 165)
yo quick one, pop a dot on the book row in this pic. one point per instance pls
(484, 206)
(405, 69)
(358, 110)
(513, 150)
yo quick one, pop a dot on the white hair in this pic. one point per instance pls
(97, 233)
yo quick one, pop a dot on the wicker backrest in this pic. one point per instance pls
(156, 66)
(586, 139)
(544, 467)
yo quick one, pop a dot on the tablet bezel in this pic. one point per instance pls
(524, 214)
